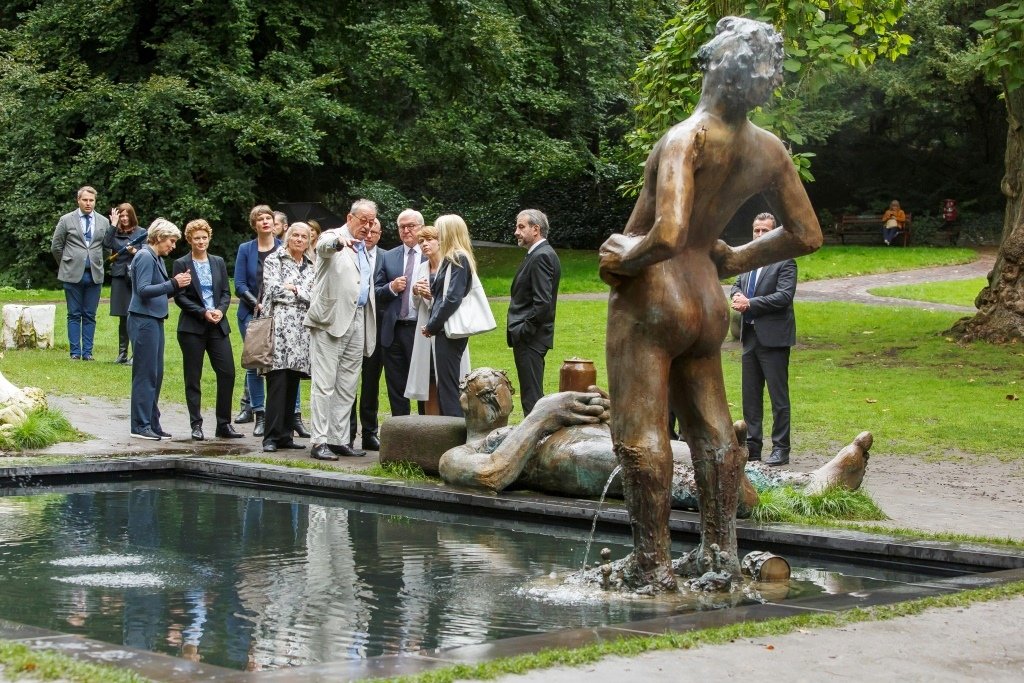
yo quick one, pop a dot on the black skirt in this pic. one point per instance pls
(120, 296)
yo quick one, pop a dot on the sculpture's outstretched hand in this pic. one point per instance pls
(723, 256)
(568, 408)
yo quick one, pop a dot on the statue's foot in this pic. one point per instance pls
(846, 469)
(625, 576)
(713, 569)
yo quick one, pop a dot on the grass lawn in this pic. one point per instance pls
(956, 292)
(887, 370)
(579, 267)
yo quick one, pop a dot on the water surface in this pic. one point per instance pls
(254, 579)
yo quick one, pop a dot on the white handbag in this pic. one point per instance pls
(473, 316)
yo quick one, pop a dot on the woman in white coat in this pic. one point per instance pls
(421, 379)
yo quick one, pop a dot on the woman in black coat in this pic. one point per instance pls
(457, 267)
(119, 241)
(203, 328)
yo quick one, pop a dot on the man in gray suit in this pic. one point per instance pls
(342, 319)
(765, 299)
(77, 247)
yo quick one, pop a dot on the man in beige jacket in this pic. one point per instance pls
(343, 329)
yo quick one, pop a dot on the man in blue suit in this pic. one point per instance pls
(77, 247)
(398, 317)
(765, 299)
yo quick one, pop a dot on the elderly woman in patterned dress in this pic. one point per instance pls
(287, 282)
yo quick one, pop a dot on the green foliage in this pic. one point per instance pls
(790, 504)
(407, 471)
(1000, 52)
(19, 662)
(42, 428)
(206, 108)
(920, 129)
(822, 38)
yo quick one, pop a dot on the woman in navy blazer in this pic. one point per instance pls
(146, 314)
(203, 329)
(248, 282)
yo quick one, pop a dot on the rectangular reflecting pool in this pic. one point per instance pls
(253, 579)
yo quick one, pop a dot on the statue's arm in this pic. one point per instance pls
(673, 206)
(469, 466)
(799, 232)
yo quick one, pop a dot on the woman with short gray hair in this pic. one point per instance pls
(146, 315)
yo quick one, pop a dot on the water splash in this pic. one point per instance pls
(115, 580)
(101, 561)
(593, 525)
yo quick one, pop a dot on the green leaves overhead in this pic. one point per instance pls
(822, 38)
(1000, 50)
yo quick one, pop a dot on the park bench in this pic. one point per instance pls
(860, 225)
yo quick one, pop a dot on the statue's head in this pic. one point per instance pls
(743, 62)
(486, 399)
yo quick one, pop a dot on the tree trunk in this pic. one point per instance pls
(1000, 316)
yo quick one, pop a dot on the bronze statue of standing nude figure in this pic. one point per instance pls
(667, 316)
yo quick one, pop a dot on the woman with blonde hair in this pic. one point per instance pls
(422, 382)
(203, 329)
(450, 285)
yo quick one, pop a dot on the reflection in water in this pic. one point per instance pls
(255, 580)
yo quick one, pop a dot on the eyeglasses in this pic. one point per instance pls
(408, 226)
(366, 221)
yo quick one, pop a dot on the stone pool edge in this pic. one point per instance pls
(999, 566)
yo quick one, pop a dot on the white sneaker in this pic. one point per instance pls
(886, 242)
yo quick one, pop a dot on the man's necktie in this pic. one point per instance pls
(88, 229)
(752, 284)
(410, 263)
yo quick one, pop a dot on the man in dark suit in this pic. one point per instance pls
(203, 329)
(369, 387)
(398, 315)
(531, 312)
(77, 247)
(765, 299)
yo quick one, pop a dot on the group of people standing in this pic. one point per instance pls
(343, 313)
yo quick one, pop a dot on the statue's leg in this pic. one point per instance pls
(718, 458)
(637, 382)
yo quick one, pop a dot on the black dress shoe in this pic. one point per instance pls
(299, 427)
(322, 452)
(122, 358)
(269, 447)
(244, 416)
(371, 442)
(227, 432)
(197, 434)
(291, 444)
(778, 457)
(347, 451)
(261, 424)
(753, 456)
(162, 433)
